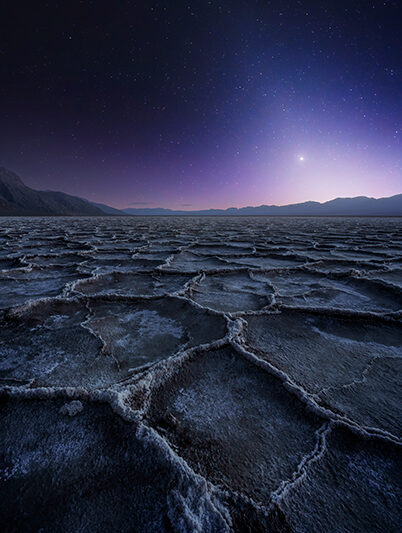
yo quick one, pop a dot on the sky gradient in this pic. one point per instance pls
(191, 105)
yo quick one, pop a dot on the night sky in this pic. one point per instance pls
(203, 104)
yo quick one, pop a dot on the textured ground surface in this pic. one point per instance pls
(210, 374)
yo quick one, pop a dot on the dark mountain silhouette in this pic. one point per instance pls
(18, 199)
(108, 210)
(358, 206)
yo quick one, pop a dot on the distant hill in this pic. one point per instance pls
(107, 210)
(358, 206)
(18, 199)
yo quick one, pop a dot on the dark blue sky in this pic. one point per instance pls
(203, 104)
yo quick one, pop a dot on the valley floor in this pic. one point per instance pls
(200, 374)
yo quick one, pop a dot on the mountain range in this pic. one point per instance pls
(357, 206)
(16, 199)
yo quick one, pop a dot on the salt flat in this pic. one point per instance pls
(200, 374)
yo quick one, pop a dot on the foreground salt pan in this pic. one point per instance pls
(201, 375)
(334, 358)
(245, 442)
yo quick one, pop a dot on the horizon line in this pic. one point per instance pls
(256, 206)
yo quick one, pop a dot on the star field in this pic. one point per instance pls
(203, 104)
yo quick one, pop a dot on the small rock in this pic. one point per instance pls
(72, 408)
